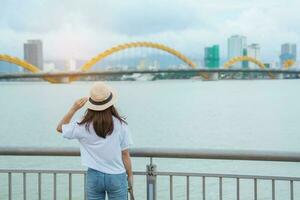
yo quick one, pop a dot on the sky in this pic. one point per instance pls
(81, 29)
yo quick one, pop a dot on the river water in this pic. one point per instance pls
(248, 115)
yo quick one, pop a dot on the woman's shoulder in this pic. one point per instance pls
(119, 123)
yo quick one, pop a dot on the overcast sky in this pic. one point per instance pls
(82, 28)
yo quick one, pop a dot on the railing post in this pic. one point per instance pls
(151, 181)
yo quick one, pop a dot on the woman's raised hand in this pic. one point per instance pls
(79, 103)
(67, 118)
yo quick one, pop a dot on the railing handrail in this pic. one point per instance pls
(284, 156)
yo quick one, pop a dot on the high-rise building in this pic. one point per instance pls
(33, 53)
(288, 52)
(253, 51)
(237, 45)
(212, 56)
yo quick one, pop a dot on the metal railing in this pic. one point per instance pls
(152, 174)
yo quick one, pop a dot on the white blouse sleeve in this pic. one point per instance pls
(73, 130)
(126, 140)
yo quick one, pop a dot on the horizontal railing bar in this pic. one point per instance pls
(284, 156)
(44, 171)
(240, 176)
(56, 171)
(159, 173)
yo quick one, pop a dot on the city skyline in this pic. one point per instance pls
(236, 46)
(85, 29)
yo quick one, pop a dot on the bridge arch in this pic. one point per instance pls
(25, 65)
(288, 64)
(121, 47)
(19, 62)
(237, 59)
(90, 63)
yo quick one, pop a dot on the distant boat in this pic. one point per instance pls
(138, 77)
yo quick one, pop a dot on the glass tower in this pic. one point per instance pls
(288, 52)
(212, 56)
(237, 44)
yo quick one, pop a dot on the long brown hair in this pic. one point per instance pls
(102, 120)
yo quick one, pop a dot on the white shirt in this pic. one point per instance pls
(101, 154)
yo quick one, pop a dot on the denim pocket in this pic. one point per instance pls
(91, 179)
(117, 181)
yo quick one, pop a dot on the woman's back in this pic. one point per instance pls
(104, 140)
(102, 154)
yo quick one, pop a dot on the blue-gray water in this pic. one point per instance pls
(256, 115)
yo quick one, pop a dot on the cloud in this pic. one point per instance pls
(81, 29)
(31, 16)
(132, 18)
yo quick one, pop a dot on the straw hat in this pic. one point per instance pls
(101, 97)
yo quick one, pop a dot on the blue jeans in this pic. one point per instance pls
(99, 183)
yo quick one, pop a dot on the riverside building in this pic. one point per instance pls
(33, 53)
(237, 46)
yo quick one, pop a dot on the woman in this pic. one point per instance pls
(104, 141)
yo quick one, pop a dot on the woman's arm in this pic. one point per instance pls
(67, 118)
(127, 163)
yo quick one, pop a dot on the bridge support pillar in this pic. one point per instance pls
(64, 80)
(213, 76)
(57, 79)
(151, 182)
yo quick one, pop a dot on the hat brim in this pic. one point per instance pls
(104, 106)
